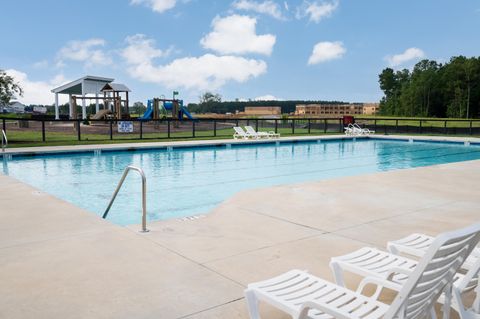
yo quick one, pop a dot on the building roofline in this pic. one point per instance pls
(78, 81)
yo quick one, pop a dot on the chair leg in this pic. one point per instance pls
(337, 273)
(252, 304)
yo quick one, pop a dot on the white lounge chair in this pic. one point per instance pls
(356, 130)
(394, 269)
(303, 295)
(416, 245)
(349, 130)
(240, 133)
(271, 134)
(361, 131)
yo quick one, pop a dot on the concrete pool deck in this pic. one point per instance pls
(58, 261)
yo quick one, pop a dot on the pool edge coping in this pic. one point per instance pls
(79, 149)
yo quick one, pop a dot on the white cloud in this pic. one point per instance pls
(326, 51)
(317, 10)
(207, 72)
(267, 97)
(36, 92)
(266, 7)
(89, 52)
(140, 49)
(156, 5)
(409, 55)
(236, 34)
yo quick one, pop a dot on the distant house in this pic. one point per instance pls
(13, 107)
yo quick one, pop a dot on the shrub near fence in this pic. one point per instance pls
(36, 130)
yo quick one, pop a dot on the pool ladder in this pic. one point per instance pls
(144, 194)
(4, 141)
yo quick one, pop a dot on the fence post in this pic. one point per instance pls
(385, 128)
(293, 127)
(4, 126)
(168, 128)
(420, 127)
(79, 135)
(43, 131)
(396, 126)
(309, 123)
(445, 128)
(340, 126)
(375, 124)
(111, 129)
(471, 132)
(193, 129)
(256, 125)
(214, 128)
(141, 130)
(276, 126)
(325, 124)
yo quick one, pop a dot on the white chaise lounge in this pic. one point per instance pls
(394, 269)
(240, 133)
(303, 295)
(271, 134)
(356, 130)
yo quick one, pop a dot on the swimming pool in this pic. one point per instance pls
(189, 181)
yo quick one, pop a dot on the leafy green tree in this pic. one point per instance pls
(433, 89)
(9, 89)
(209, 97)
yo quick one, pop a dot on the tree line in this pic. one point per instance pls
(433, 89)
(212, 103)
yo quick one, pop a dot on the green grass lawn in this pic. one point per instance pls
(30, 137)
(414, 121)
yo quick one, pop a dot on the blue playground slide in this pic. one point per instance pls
(168, 106)
(187, 114)
(148, 113)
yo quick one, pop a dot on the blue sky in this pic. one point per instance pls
(245, 49)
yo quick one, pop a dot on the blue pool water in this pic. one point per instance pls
(183, 182)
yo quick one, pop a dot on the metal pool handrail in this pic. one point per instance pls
(4, 141)
(144, 194)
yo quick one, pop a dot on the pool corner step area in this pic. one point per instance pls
(83, 266)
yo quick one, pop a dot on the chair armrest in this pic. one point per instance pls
(380, 283)
(323, 307)
(397, 270)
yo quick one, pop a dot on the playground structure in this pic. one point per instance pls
(158, 108)
(115, 97)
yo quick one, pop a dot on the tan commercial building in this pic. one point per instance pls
(336, 109)
(262, 110)
(371, 108)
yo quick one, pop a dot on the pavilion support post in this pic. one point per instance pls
(109, 101)
(84, 107)
(97, 106)
(126, 102)
(57, 113)
(70, 106)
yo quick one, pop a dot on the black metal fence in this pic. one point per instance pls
(25, 131)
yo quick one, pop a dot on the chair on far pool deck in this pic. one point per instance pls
(361, 131)
(303, 295)
(240, 133)
(250, 130)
